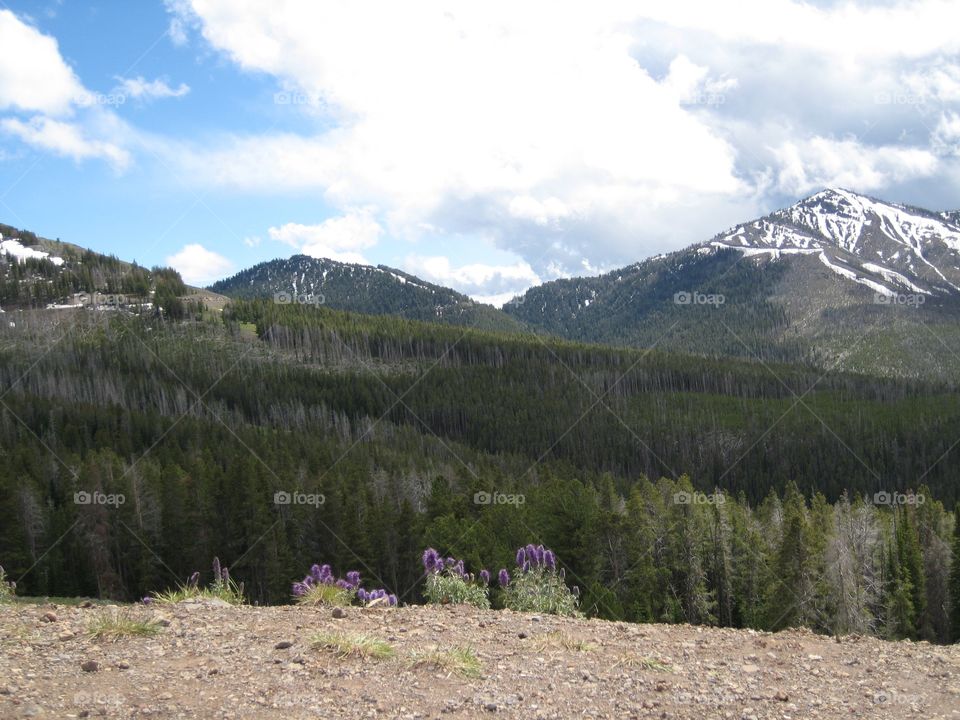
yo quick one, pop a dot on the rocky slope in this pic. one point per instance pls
(210, 661)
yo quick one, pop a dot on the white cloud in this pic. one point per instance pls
(199, 266)
(65, 139)
(485, 120)
(141, 89)
(337, 238)
(820, 162)
(570, 134)
(33, 75)
(494, 284)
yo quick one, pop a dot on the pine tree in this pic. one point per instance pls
(955, 578)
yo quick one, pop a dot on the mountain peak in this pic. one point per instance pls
(890, 248)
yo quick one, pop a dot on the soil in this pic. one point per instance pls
(216, 661)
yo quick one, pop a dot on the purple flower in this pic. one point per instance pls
(147, 600)
(549, 559)
(344, 585)
(216, 570)
(300, 589)
(226, 576)
(485, 577)
(392, 600)
(194, 579)
(316, 572)
(503, 578)
(362, 595)
(353, 579)
(521, 557)
(451, 561)
(432, 561)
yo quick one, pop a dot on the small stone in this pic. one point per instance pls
(339, 613)
(66, 635)
(751, 669)
(490, 707)
(90, 666)
(522, 635)
(50, 617)
(283, 645)
(781, 696)
(123, 665)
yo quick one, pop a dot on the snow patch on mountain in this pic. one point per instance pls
(14, 248)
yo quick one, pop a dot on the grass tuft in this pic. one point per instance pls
(644, 663)
(362, 646)
(563, 641)
(119, 624)
(327, 595)
(228, 592)
(458, 660)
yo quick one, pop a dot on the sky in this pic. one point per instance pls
(484, 146)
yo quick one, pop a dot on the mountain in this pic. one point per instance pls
(379, 290)
(837, 279)
(38, 273)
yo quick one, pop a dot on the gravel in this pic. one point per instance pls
(211, 661)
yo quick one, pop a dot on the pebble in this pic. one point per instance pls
(90, 666)
(339, 613)
(283, 645)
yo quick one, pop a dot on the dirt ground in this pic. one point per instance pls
(212, 661)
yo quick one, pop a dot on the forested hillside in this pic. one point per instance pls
(671, 487)
(380, 290)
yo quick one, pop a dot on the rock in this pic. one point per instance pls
(86, 604)
(283, 645)
(90, 666)
(123, 665)
(490, 707)
(339, 613)
(781, 696)
(751, 669)
(50, 617)
(66, 635)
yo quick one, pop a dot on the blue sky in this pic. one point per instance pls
(486, 146)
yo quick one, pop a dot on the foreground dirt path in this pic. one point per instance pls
(222, 662)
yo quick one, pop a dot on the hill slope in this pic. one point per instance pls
(365, 289)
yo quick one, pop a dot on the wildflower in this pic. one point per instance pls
(194, 579)
(503, 578)
(549, 560)
(432, 561)
(485, 577)
(353, 579)
(216, 570)
(392, 600)
(147, 600)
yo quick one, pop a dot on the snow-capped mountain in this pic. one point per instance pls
(890, 248)
(837, 276)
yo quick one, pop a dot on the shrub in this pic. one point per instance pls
(322, 587)
(222, 588)
(7, 588)
(448, 582)
(537, 586)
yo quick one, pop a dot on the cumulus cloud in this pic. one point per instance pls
(65, 118)
(820, 162)
(199, 266)
(581, 137)
(494, 284)
(338, 238)
(141, 89)
(33, 75)
(64, 139)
